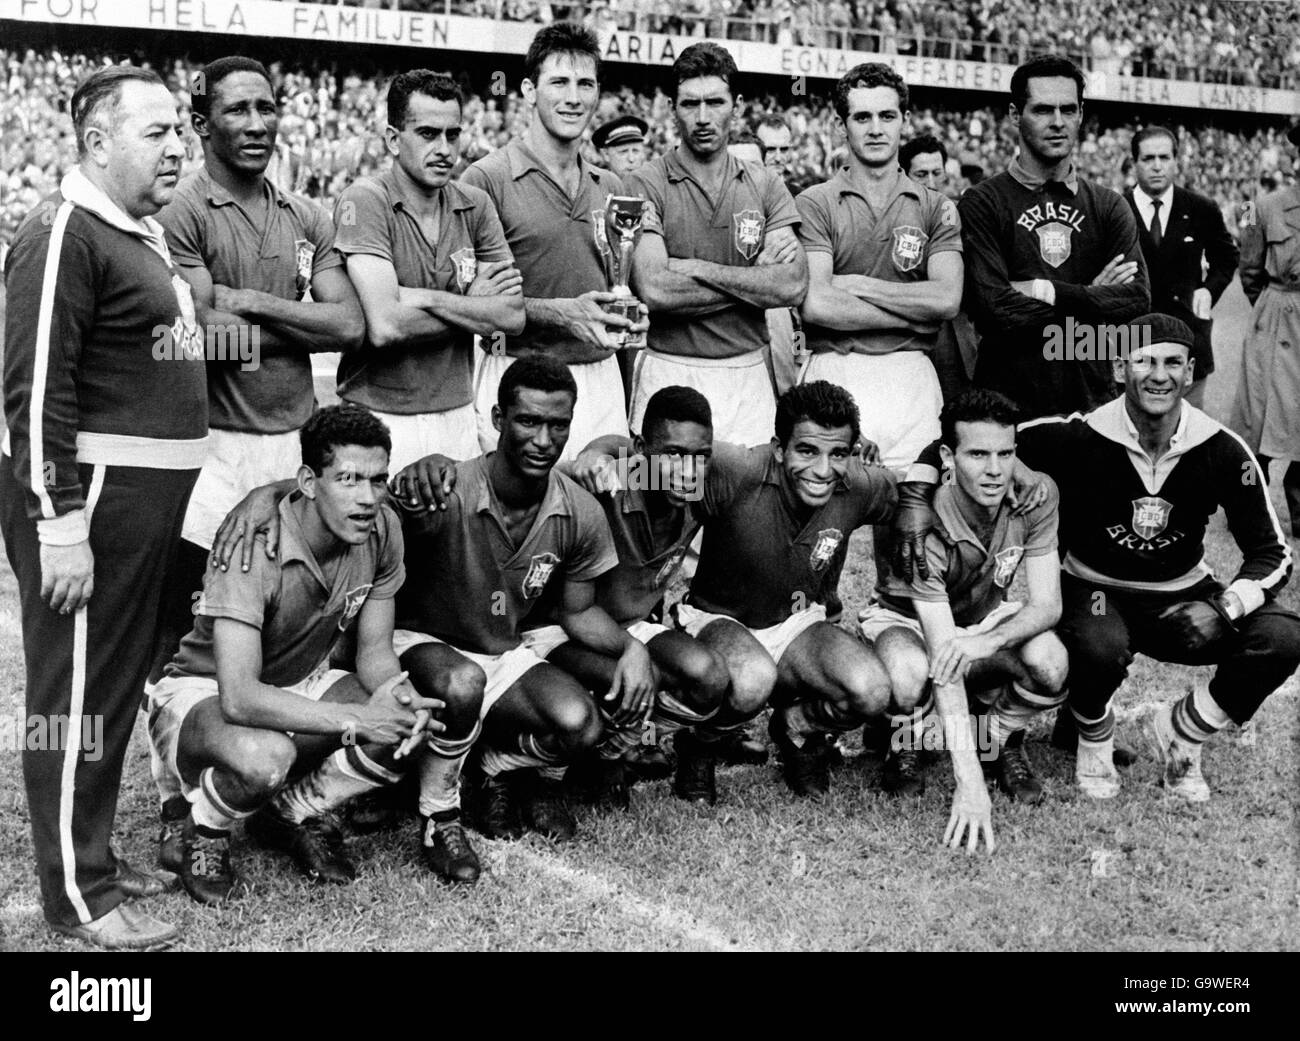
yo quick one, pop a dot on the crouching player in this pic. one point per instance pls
(955, 632)
(249, 696)
(510, 525)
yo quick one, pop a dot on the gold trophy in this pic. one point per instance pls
(624, 214)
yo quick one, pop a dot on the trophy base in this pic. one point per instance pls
(633, 310)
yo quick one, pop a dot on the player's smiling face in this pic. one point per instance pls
(1155, 378)
(534, 430)
(982, 461)
(565, 94)
(680, 450)
(1049, 124)
(242, 124)
(815, 459)
(138, 152)
(1156, 165)
(874, 125)
(428, 146)
(348, 492)
(703, 110)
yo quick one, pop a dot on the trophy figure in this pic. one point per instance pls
(624, 214)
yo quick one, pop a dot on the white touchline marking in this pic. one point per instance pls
(596, 887)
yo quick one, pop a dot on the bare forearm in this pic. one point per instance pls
(237, 328)
(834, 308)
(681, 294)
(765, 285)
(376, 666)
(926, 301)
(950, 701)
(594, 628)
(479, 314)
(270, 708)
(324, 326)
(1025, 624)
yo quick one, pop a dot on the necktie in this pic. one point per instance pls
(1157, 236)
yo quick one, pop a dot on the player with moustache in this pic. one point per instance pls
(430, 262)
(552, 206)
(478, 561)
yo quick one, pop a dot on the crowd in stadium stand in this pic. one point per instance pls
(331, 123)
(1220, 41)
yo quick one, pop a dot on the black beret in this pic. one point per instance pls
(1160, 328)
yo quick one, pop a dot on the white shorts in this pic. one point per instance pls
(502, 670)
(546, 638)
(739, 391)
(452, 433)
(173, 697)
(898, 398)
(601, 407)
(776, 639)
(875, 618)
(236, 463)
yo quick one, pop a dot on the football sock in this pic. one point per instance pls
(619, 739)
(907, 729)
(1015, 706)
(344, 775)
(671, 714)
(1095, 731)
(440, 772)
(713, 734)
(531, 753)
(1198, 717)
(209, 809)
(805, 718)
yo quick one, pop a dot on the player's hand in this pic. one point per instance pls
(634, 684)
(67, 576)
(913, 521)
(378, 721)
(399, 691)
(972, 814)
(1202, 304)
(954, 659)
(1196, 623)
(1028, 490)
(785, 250)
(591, 324)
(1118, 272)
(868, 451)
(231, 301)
(496, 278)
(256, 511)
(426, 483)
(597, 472)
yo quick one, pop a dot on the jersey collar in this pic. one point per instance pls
(1033, 182)
(218, 195)
(451, 194)
(675, 170)
(79, 190)
(1112, 421)
(522, 160)
(902, 185)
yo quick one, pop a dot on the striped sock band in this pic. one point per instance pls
(209, 809)
(1198, 717)
(344, 775)
(440, 773)
(1015, 706)
(1095, 731)
(671, 714)
(618, 739)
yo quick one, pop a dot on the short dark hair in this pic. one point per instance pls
(437, 85)
(97, 97)
(743, 136)
(826, 404)
(675, 405)
(869, 74)
(922, 145)
(976, 405)
(704, 59)
(204, 83)
(339, 425)
(1042, 67)
(535, 372)
(561, 38)
(772, 121)
(1146, 133)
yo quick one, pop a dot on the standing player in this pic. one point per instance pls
(955, 631)
(106, 427)
(431, 265)
(552, 205)
(719, 248)
(1190, 256)
(1139, 479)
(250, 694)
(1042, 246)
(511, 526)
(884, 269)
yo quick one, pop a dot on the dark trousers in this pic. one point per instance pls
(1104, 629)
(85, 671)
(1290, 487)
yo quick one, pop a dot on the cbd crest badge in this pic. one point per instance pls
(748, 225)
(466, 265)
(1007, 562)
(352, 601)
(539, 573)
(1054, 242)
(304, 255)
(1150, 516)
(909, 247)
(828, 541)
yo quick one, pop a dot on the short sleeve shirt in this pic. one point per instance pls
(375, 219)
(301, 606)
(470, 585)
(764, 555)
(646, 567)
(971, 577)
(560, 242)
(896, 246)
(753, 203)
(207, 228)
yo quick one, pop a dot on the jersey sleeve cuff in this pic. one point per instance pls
(1249, 593)
(65, 530)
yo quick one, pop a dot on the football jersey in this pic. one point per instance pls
(632, 590)
(971, 577)
(301, 606)
(765, 555)
(470, 585)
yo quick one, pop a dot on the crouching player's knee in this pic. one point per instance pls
(259, 761)
(1047, 664)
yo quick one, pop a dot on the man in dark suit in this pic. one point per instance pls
(1190, 256)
